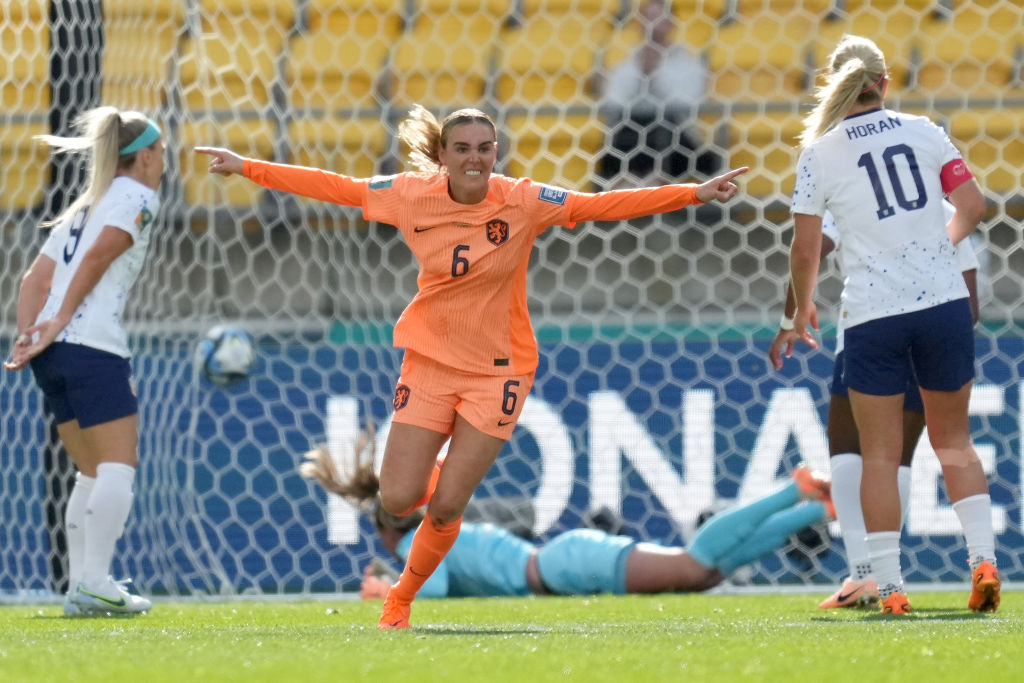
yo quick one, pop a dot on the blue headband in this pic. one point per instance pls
(146, 138)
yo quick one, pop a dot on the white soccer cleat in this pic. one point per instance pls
(109, 598)
(853, 593)
(70, 608)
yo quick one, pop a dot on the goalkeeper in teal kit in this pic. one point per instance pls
(489, 560)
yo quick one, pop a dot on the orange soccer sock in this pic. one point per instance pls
(430, 491)
(429, 546)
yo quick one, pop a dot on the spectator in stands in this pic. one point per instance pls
(860, 589)
(470, 352)
(69, 329)
(650, 103)
(488, 560)
(883, 174)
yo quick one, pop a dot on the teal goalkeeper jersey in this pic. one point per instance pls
(486, 560)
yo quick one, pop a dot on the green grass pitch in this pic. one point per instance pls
(724, 637)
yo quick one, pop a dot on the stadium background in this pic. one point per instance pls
(653, 397)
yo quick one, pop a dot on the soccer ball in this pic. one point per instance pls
(225, 355)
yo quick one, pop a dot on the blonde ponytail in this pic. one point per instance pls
(856, 76)
(422, 134)
(103, 132)
(361, 486)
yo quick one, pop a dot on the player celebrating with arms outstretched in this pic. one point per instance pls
(470, 350)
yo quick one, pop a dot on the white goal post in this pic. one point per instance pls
(654, 399)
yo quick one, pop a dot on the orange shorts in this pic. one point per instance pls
(429, 394)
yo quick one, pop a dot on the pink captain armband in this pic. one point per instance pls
(954, 174)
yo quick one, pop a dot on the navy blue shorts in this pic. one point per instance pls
(911, 396)
(85, 384)
(935, 345)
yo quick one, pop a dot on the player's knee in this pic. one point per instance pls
(397, 500)
(442, 512)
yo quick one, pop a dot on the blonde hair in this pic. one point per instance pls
(103, 131)
(424, 136)
(362, 486)
(856, 74)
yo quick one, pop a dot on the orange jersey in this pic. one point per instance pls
(470, 310)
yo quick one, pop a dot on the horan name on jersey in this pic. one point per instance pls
(863, 130)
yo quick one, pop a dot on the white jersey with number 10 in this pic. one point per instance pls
(878, 173)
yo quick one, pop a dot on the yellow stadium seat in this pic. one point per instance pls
(550, 62)
(141, 39)
(25, 168)
(224, 66)
(767, 143)
(24, 63)
(557, 149)
(684, 9)
(253, 138)
(24, 10)
(499, 9)
(443, 62)
(696, 33)
(333, 71)
(373, 19)
(350, 146)
(971, 54)
(761, 58)
(24, 90)
(919, 7)
(607, 9)
(339, 62)
(992, 141)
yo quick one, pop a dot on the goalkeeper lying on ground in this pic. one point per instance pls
(489, 560)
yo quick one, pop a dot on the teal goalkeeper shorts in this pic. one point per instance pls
(584, 562)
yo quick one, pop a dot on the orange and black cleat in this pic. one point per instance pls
(896, 603)
(853, 593)
(985, 586)
(395, 614)
(814, 486)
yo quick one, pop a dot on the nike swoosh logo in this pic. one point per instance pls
(843, 598)
(424, 229)
(120, 602)
(504, 424)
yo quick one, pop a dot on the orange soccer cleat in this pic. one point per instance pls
(896, 603)
(395, 614)
(985, 586)
(853, 593)
(814, 486)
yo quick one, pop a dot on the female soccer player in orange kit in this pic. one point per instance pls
(470, 350)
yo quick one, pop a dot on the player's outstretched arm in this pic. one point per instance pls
(720, 187)
(222, 161)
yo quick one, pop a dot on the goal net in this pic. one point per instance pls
(654, 403)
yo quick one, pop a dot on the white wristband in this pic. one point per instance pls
(786, 323)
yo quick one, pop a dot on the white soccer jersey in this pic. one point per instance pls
(878, 173)
(130, 206)
(966, 259)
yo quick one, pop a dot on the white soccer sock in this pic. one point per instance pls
(884, 551)
(846, 473)
(975, 513)
(105, 517)
(74, 526)
(904, 479)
